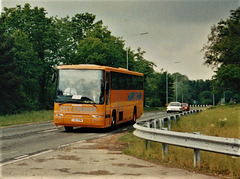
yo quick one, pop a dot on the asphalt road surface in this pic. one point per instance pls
(44, 151)
(27, 140)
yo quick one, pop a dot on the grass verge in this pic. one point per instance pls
(26, 117)
(222, 121)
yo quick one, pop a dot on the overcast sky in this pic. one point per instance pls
(177, 29)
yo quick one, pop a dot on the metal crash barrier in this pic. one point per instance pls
(153, 130)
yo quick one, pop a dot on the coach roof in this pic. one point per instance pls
(98, 67)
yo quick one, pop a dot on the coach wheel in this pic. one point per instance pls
(113, 122)
(134, 117)
(68, 128)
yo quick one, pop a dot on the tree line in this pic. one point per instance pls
(32, 45)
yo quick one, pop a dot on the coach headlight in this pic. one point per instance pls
(59, 115)
(97, 116)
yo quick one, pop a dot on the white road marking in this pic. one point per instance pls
(49, 130)
(20, 157)
(102, 135)
(24, 157)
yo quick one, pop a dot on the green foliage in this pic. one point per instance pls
(195, 90)
(181, 87)
(141, 64)
(10, 83)
(228, 78)
(205, 97)
(32, 45)
(222, 53)
(35, 44)
(156, 88)
(101, 48)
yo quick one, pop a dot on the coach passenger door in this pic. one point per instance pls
(107, 99)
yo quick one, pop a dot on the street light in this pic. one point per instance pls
(167, 85)
(166, 88)
(176, 89)
(176, 84)
(144, 33)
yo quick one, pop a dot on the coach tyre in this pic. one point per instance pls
(113, 122)
(68, 128)
(134, 116)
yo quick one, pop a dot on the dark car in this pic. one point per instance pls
(185, 107)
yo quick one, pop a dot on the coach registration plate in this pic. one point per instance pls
(77, 120)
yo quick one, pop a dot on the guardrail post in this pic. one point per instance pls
(175, 118)
(164, 147)
(155, 124)
(147, 142)
(161, 125)
(197, 155)
(169, 123)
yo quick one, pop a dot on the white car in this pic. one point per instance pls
(174, 107)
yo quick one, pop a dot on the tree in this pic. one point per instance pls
(41, 35)
(155, 88)
(181, 87)
(142, 65)
(222, 53)
(39, 32)
(18, 62)
(205, 97)
(10, 83)
(101, 48)
(161, 88)
(196, 88)
(72, 32)
(26, 61)
(33, 44)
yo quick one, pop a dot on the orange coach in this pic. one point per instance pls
(97, 96)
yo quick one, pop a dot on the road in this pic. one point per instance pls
(44, 151)
(26, 140)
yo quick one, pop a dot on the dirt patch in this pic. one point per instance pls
(119, 164)
(133, 174)
(41, 160)
(137, 166)
(98, 172)
(112, 159)
(69, 157)
(109, 142)
(22, 164)
(63, 170)
(64, 149)
(35, 168)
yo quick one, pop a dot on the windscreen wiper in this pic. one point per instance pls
(90, 101)
(81, 101)
(69, 101)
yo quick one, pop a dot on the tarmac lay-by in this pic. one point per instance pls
(98, 158)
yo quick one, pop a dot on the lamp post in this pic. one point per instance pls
(176, 84)
(167, 85)
(144, 33)
(213, 97)
(166, 88)
(176, 89)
